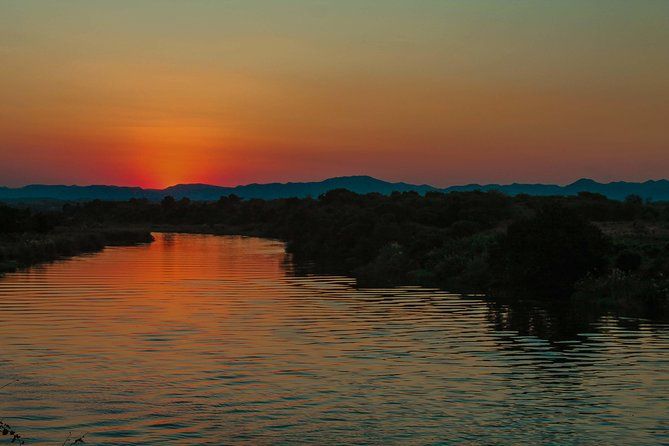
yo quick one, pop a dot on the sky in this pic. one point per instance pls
(155, 93)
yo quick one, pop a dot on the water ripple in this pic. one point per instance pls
(203, 340)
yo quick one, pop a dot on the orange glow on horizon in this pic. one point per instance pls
(233, 93)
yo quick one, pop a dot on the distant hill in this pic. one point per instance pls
(268, 191)
(359, 184)
(655, 190)
(43, 191)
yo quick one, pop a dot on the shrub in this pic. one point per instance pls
(550, 252)
(628, 261)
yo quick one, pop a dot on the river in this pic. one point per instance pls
(208, 340)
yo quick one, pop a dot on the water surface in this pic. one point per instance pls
(199, 339)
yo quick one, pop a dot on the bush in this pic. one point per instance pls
(548, 253)
(628, 261)
(387, 269)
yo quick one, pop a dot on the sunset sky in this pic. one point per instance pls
(153, 93)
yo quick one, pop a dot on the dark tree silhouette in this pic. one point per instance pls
(548, 253)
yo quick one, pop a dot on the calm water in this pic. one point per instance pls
(199, 339)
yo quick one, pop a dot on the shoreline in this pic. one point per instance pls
(25, 250)
(605, 296)
(29, 249)
(66, 244)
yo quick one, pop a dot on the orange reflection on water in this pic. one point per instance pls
(198, 339)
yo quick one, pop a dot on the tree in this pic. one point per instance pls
(548, 253)
(168, 202)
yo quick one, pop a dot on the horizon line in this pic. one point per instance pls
(650, 180)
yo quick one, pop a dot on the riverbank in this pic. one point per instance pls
(213, 229)
(628, 282)
(21, 250)
(470, 242)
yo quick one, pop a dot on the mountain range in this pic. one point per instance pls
(652, 190)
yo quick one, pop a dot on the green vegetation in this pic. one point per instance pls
(471, 242)
(27, 238)
(549, 252)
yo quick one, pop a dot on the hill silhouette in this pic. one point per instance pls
(361, 184)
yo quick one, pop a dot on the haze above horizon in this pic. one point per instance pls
(160, 93)
(343, 177)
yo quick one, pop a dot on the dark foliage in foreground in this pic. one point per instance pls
(19, 250)
(462, 241)
(556, 247)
